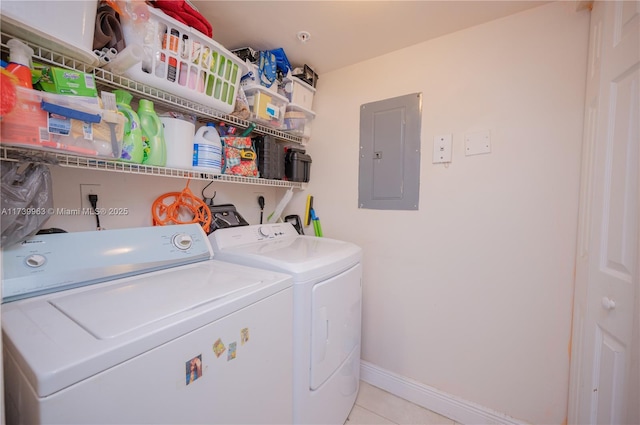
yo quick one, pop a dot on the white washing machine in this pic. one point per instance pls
(327, 304)
(142, 326)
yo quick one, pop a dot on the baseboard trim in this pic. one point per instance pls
(461, 411)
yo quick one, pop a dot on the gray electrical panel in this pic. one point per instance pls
(389, 171)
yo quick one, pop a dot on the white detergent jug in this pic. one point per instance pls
(207, 150)
(178, 135)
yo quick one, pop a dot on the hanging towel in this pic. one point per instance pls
(108, 30)
(185, 13)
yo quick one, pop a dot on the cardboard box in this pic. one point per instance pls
(66, 81)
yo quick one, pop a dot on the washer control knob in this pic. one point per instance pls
(182, 241)
(265, 231)
(35, 260)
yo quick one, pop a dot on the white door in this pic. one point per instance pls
(604, 368)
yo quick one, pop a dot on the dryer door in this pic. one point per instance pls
(336, 319)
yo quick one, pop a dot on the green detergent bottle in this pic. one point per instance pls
(132, 146)
(155, 149)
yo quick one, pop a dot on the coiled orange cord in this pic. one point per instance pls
(172, 207)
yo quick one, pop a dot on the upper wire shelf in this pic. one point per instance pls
(107, 79)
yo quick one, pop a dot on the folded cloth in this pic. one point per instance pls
(183, 12)
(108, 30)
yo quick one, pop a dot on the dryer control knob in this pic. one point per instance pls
(35, 260)
(182, 241)
(265, 231)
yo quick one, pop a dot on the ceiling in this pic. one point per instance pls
(345, 32)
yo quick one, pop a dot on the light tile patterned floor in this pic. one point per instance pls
(375, 406)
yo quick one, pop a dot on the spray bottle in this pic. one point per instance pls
(155, 149)
(132, 146)
(20, 62)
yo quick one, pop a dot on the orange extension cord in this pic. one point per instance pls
(168, 208)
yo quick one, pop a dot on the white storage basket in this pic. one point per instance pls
(182, 61)
(65, 27)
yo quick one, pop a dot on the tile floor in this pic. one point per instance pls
(375, 406)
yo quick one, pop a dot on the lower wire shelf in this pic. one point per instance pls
(16, 154)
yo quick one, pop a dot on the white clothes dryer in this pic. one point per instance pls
(142, 326)
(327, 304)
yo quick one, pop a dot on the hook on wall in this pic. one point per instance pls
(303, 36)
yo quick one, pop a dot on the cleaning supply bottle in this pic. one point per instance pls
(207, 150)
(20, 62)
(155, 149)
(132, 146)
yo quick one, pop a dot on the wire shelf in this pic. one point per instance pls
(16, 154)
(107, 79)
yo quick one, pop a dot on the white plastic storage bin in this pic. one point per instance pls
(297, 92)
(66, 27)
(266, 107)
(297, 121)
(182, 61)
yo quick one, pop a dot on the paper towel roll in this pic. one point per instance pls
(178, 136)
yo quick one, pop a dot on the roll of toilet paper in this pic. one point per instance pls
(178, 136)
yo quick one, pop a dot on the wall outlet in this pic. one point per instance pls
(85, 191)
(477, 143)
(442, 147)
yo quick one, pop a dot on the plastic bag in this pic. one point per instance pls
(241, 109)
(267, 68)
(27, 200)
(282, 62)
(239, 157)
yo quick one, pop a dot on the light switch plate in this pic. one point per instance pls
(477, 143)
(442, 147)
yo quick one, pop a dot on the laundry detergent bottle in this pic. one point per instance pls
(132, 146)
(20, 62)
(207, 150)
(155, 149)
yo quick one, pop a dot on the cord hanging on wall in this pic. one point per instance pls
(208, 201)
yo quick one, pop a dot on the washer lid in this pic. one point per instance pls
(62, 338)
(115, 310)
(306, 258)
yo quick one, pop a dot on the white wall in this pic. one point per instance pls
(137, 193)
(472, 294)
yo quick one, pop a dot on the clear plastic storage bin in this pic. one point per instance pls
(73, 125)
(267, 108)
(182, 61)
(297, 121)
(297, 92)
